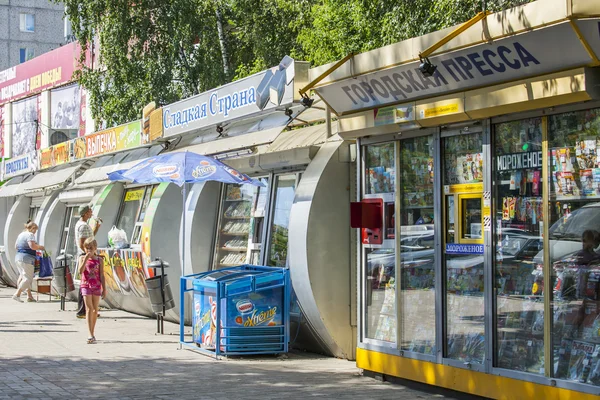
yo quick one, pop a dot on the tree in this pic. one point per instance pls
(166, 50)
(150, 50)
(343, 26)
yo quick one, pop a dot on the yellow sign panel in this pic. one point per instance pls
(134, 195)
(464, 188)
(441, 110)
(486, 211)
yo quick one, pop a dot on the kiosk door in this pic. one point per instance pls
(463, 249)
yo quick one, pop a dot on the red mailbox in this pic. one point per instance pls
(368, 215)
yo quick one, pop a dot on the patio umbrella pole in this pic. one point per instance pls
(182, 297)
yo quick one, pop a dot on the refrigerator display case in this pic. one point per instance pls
(241, 225)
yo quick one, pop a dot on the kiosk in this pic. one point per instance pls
(488, 167)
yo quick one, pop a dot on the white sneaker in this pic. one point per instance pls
(17, 298)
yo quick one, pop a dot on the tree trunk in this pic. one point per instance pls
(222, 42)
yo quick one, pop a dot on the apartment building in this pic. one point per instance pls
(29, 28)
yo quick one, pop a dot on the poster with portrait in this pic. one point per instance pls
(25, 115)
(1, 132)
(65, 107)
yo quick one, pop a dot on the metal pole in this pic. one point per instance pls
(157, 315)
(162, 292)
(63, 300)
(183, 283)
(182, 287)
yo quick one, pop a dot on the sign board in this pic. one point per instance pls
(1, 131)
(58, 154)
(512, 162)
(463, 188)
(22, 165)
(46, 71)
(266, 90)
(511, 58)
(122, 137)
(134, 195)
(455, 248)
(394, 115)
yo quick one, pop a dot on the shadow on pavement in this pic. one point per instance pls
(160, 378)
(34, 330)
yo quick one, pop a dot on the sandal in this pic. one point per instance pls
(91, 340)
(31, 300)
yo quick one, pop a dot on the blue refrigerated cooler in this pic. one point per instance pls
(245, 310)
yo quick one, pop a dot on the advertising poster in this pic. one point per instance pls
(82, 113)
(119, 138)
(147, 226)
(253, 310)
(112, 287)
(38, 133)
(204, 319)
(65, 108)
(46, 71)
(25, 113)
(1, 132)
(55, 155)
(135, 272)
(124, 272)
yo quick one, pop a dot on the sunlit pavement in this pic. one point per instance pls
(44, 354)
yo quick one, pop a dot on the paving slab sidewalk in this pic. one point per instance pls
(44, 354)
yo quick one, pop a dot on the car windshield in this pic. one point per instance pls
(511, 245)
(573, 226)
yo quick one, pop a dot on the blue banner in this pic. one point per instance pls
(456, 248)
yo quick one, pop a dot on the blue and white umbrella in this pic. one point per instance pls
(181, 168)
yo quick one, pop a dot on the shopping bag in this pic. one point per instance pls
(45, 266)
(117, 238)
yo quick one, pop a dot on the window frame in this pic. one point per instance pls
(23, 22)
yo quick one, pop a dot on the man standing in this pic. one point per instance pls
(82, 232)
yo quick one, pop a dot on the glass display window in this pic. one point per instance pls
(380, 171)
(285, 190)
(463, 247)
(33, 212)
(67, 242)
(241, 225)
(133, 210)
(417, 254)
(574, 237)
(518, 275)
(380, 295)
(463, 159)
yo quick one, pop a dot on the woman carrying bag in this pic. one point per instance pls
(26, 246)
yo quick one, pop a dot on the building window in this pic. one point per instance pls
(27, 23)
(26, 54)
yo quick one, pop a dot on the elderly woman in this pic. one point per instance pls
(26, 246)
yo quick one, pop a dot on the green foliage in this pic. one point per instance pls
(166, 50)
(342, 26)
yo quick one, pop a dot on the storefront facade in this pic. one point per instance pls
(478, 204)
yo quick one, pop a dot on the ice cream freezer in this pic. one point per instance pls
(239, 310)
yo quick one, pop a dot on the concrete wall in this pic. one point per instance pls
(48, 35)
